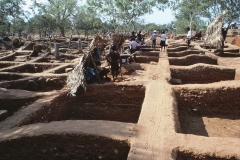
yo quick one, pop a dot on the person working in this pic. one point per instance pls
(115, 61)
(133, 46)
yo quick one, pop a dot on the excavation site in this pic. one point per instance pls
(64, 98)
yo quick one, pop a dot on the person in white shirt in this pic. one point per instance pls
(132, 46)
(189, 36)
(163, 40)
(153, 38)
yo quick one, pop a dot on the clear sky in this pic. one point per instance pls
(158, 17)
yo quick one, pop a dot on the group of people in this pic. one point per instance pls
(139, 38)
(95, 70)
(162, 42)
(135, 42)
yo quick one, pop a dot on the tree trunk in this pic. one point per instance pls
(62, 30)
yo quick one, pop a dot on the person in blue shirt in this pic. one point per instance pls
(90, 75)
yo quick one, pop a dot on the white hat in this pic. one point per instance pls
(154, 31)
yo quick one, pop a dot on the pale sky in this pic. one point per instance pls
(158, 17)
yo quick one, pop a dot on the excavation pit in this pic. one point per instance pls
(30, 68)
(40, 84)
(202, 73)
(64, 147)
(184, 53)
(13, 105)
(147, 59)
(192, 59)
(100, 102)
(7, 64)
(128, 69)
(191, 156)
(10, 77)
(210, 112)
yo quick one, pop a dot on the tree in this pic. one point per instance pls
(124, 12)
(59, 10)
(10, 11)
(41, 24)
(86, 21)
(187, 14)
(211, 9)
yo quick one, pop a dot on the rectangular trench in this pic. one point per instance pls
(101, 102)
(64, 146)
(210, 112)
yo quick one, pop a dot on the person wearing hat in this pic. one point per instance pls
(153, 38)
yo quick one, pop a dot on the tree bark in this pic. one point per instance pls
(62, 30)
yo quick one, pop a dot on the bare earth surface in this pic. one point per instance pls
(176, 104)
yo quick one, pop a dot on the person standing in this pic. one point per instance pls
(115, 62)
(153, 38)
(189, 36)
(163, 40)
(132, 36)
(97, 56)
(139, 36)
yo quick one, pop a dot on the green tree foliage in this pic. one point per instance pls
(86, 21)
(60, 10)
(211, 9)
(41, 24)
(124, 12)
(193, 12)
(10, 12)
(187, 14)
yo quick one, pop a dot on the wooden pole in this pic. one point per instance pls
(56, 50)
(79, 44)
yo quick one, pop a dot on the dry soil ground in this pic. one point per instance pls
(179, 104)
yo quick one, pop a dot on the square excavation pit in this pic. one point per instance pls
(212, 112)
(61, 70)
(13, 105)
(100, 102)
(129, 69)
(183, 155)
(31, 68)
(40, 84)
(64, 147)
(202, 74)
(192, 59)
(6, 64)
(184, 53)
(62, 58)
(147, 59)
(10, 77)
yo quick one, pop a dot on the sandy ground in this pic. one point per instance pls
(139, 117)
